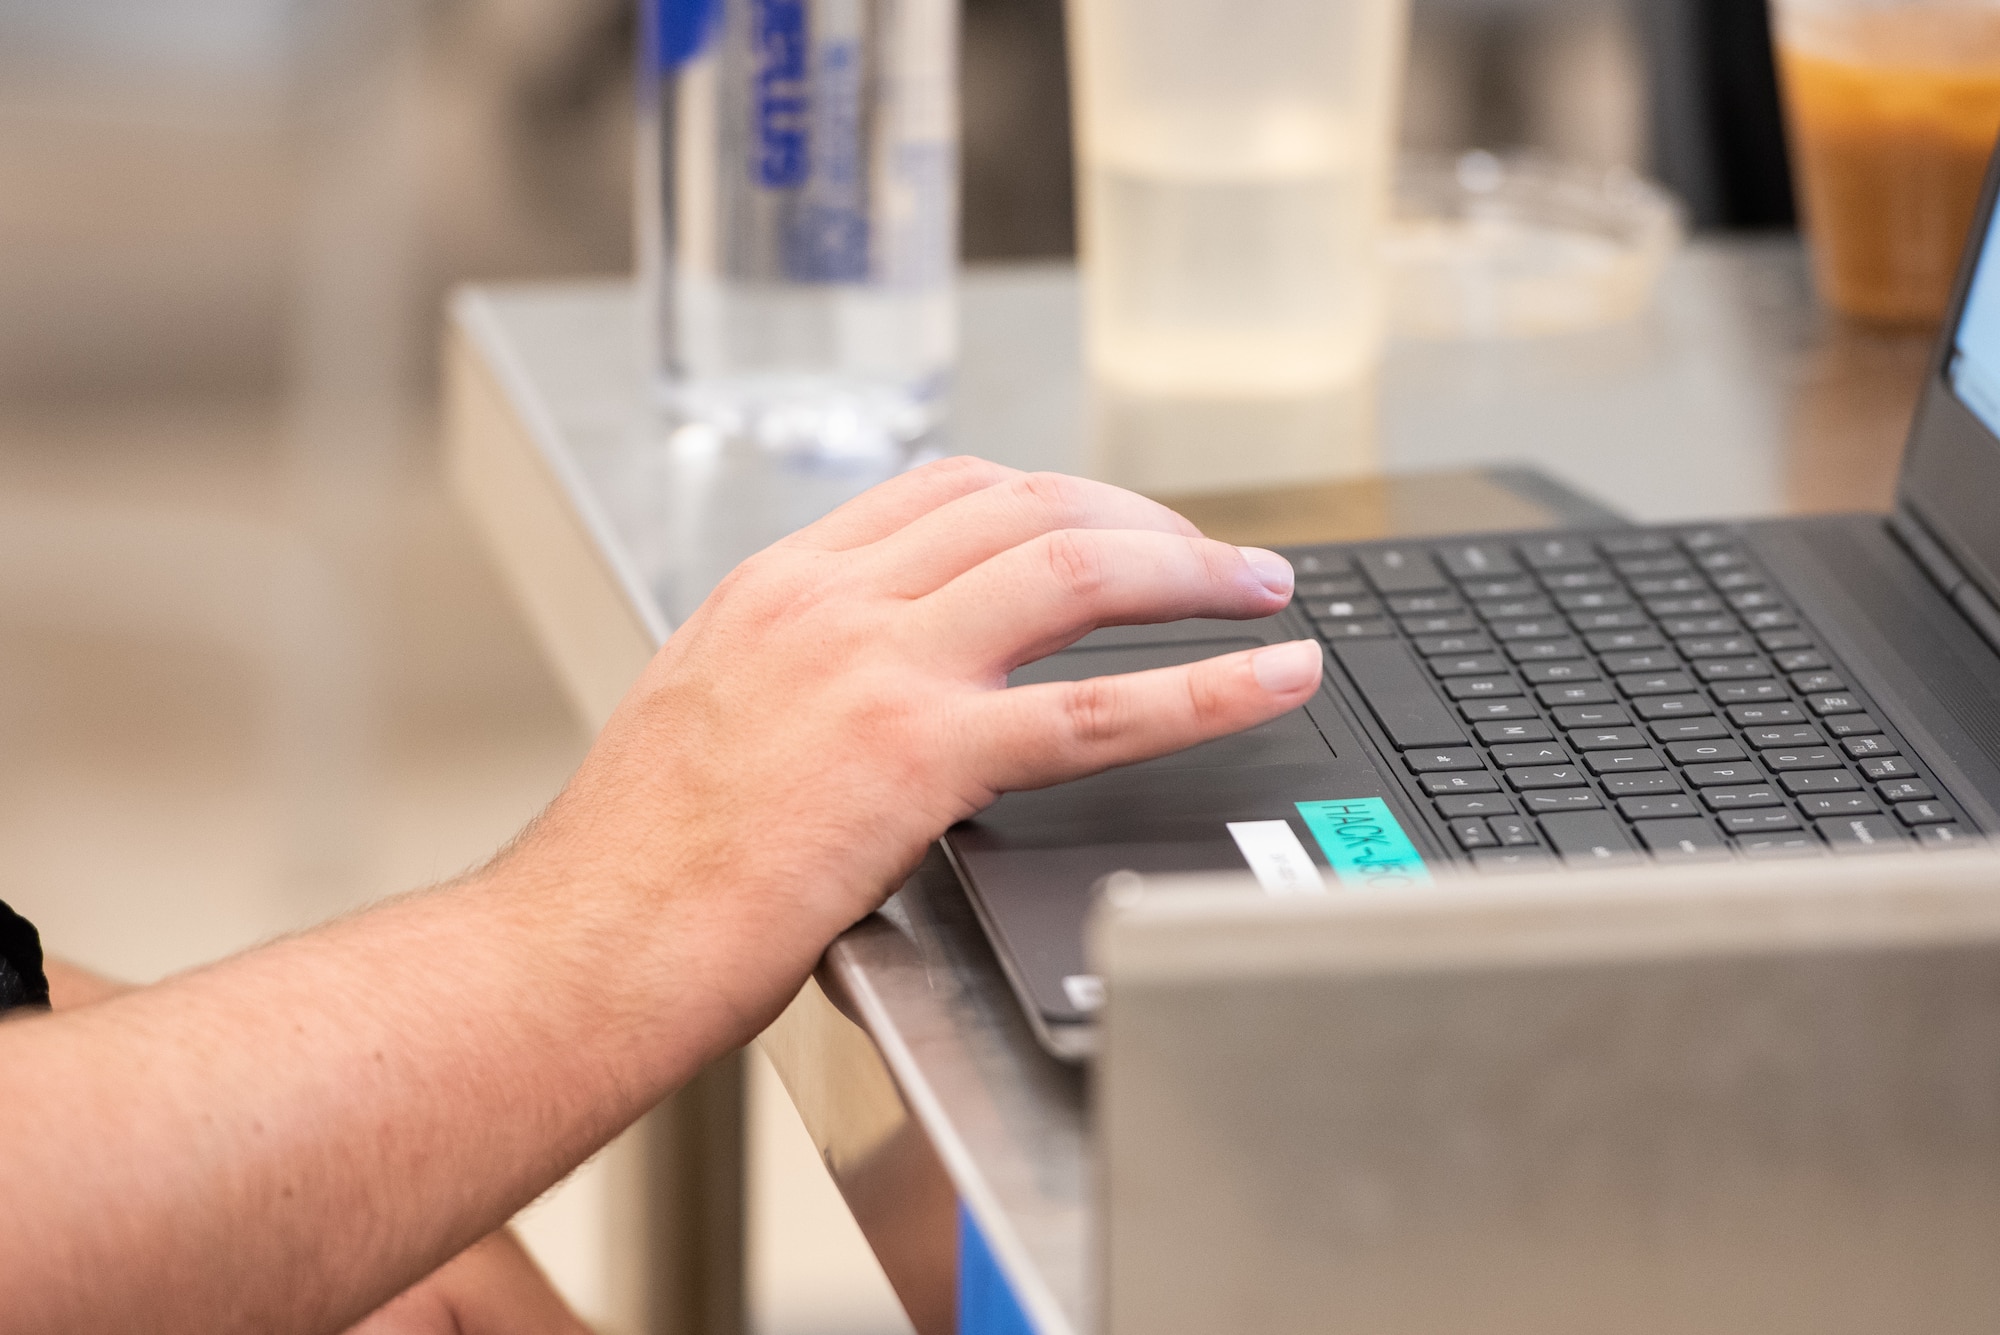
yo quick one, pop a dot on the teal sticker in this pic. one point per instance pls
(1364, 843)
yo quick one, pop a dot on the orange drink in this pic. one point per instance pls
(1892, 110)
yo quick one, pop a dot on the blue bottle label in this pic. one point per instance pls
(676, 31)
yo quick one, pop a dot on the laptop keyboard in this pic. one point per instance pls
(1606, 697)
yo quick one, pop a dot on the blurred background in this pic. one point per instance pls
(253, 668)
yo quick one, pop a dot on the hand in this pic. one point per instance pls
(839, 701)
(491, 1288)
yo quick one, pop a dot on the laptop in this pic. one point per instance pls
(1787, 688)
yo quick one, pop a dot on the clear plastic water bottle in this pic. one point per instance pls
(799, 216)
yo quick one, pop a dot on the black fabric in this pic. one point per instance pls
(22, 982)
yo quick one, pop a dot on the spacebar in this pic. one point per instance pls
(1399, 691)
(1588, 836)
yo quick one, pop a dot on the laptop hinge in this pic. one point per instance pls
(1944, 571)
(1978, 609)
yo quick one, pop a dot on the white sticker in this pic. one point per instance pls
(1276, 857)
(1084, 990)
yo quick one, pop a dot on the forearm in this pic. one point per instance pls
(285, 1140)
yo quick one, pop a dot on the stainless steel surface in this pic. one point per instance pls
(1679, 1101)
(1731, 397)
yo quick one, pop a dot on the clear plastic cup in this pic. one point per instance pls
(1234, 159)
(1892, 107)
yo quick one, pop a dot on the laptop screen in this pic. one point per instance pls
(1974, 368)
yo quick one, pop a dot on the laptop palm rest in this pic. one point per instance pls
(1031, 861)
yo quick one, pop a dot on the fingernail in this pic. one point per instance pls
(1284, 668)
(1273, 571)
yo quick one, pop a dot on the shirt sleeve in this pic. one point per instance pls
(22, 982)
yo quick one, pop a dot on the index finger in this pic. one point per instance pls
(890, 506)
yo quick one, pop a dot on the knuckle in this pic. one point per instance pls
(1076, 562)
(969, 466)
(1055, 497)
(1092, 712)
(1207, 695)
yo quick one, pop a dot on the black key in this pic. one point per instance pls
(1704, 752)
(1731, 669)
(1461, 623)
(1473, 833)
(1530, 753)
(1561, 799)
(1559, 553)
(1781, 846)
(1466, 665)
(1655, 683)
(1862, 834)
(1478, 711)
(1677, 839)
(1706, 605)
(1503, 860)
(1306, 590)
(1793, 734)
(1646, 660)
(1567, 581)
(1576, 670)
(1590, 716)
(1529, 730)
(1904, 790)
(1662, 586)
(1574, 693)
(1623, 762)
(1679, 626)
(1619, 619)
(1720, 775)
(1749, 795)
(1323, 562)
(1747, 692)
(1923, 813)
(1545, 776)
(1529, 628)
(1750, 716)
(1731, 580)
(1819, 781)
(1759, 822)
(1723, 559)
(1717, 646)
(1499, 588)
(1401, 570)
(1634, 544)
(1774, 640)
(1943, 836)
(1640, 785)
(1338, 609)
(1516, 607)
(1593, 600)
(1807, 682)
(1479, 688)
(1399, 693)
(1607, 739)
(1888, 767)
(1799, 660)
(1670, 706)
(1425, 604)
(1459, 805)
(1656, 808)
(1751, 600)
(1427, 759)
(1851, 725)
(1862, 747)
(1701, 540)
(1588, 837)
(1353, 630)
(1513, 832)
(1453, 644)
(1611, 641)
(1688, 729)
(1441, 785)
(1530, 651)
(1771, 620)
(1810, 757)
(1475, 560)
(1836, 804)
